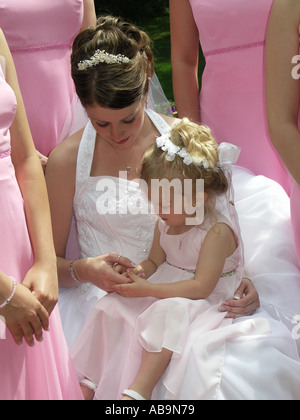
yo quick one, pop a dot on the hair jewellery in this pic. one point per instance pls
(101, 56)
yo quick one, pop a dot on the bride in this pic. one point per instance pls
(111, 67)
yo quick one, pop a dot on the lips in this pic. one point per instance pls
(122, 141)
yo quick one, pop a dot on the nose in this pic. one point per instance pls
(116, 134)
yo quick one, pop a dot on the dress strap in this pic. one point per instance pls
(87, 145)
(161, 125)
(86, 153)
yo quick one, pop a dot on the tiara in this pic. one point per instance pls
(101, 56)
(228, 153)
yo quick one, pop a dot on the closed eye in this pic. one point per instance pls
(129, 121)
(102, 125)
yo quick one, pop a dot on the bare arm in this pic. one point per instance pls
(89, 14)
(185, 57)
(282, 83)
(60, 177)
(219, 244)
(42, 278)
(156, 257)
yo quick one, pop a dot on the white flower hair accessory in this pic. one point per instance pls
(164, 142)
(228, 153)
(101, 56)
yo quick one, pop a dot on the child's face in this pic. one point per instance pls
(171, 209)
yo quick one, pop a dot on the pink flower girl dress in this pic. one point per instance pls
(45, 371)
(109, 348)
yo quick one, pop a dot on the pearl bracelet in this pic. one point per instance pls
(73, 275)
(12, 294)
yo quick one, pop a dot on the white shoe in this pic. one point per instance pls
(89, 384)
(132, 394)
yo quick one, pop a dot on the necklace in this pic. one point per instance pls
(128, 169)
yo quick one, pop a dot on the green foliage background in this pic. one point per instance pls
(134, 10)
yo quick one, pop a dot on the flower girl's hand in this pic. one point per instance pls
(139, 271)
(139, 287)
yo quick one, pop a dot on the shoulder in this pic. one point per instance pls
(218, 227)
(62, 160)
(171, 121)
(221, 229)
(221, 236)
(66, 152)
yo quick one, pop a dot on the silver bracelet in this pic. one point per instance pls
(12, 294)
(73, 275)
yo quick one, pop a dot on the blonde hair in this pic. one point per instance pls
(116, 85)
(201, 145)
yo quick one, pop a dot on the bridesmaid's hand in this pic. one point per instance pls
(246, 301)
(42, 281)
(25, 316)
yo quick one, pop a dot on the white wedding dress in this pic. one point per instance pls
(265, 366)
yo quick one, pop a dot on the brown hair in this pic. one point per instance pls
(114, 86)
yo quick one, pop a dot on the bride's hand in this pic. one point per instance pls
(246, 301)
(101, 270)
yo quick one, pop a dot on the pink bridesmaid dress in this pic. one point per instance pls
(40, 35)
(232, 100)
(44, 372)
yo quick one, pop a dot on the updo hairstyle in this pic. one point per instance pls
(117, 85)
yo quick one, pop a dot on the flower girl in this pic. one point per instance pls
(157, 329)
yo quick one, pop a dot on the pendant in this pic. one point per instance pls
(128, 169)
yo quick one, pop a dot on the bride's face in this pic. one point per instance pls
(119, 127)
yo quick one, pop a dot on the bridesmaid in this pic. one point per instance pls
(282, 95)
(40, 36)
(34, 360)
(232, 35)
